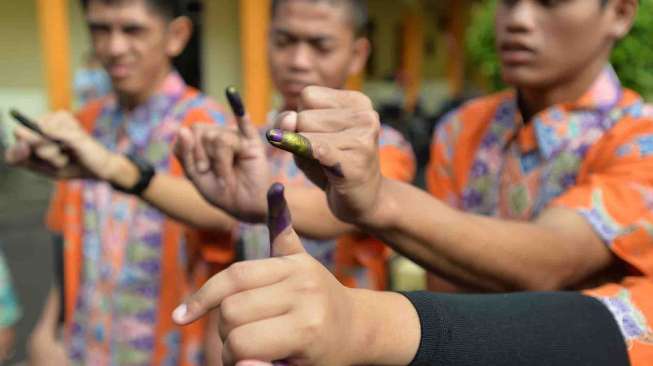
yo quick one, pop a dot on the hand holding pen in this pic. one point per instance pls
(227, 165)
(58, 146)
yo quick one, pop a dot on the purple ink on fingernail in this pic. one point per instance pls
(275, 135)
(278, 213)
(235, 101)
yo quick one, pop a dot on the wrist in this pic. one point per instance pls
(121, 172)
(384, 213)
(385, 328)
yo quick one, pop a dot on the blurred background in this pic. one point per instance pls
(428, 57)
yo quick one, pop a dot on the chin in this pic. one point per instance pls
(126, 87)
(522, 78)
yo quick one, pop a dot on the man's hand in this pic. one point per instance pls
(75, 154)
(335, 140)
(284, 308)
(228, 167)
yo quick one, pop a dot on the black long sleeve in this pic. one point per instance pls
(516, 329)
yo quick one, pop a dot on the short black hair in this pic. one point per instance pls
(358, 12)
(170, 9)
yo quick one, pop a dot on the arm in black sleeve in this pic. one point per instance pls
(516, 329)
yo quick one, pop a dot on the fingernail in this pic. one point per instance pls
(256, 363)
(275, 136)
(291, 142)
(235, 101)
(180, 313)
(278, 213)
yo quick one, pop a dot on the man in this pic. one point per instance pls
(548, 186)
(126, 263)
(319, 43)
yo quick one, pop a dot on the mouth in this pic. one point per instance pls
(295, 86)
(516, 53)
(118, 71)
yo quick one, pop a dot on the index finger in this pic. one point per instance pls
(318, 97)
(239, 277)
(245, 125)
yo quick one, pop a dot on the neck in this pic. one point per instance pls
(130, 101)
(535, 100)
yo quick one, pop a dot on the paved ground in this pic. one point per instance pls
(23, 199)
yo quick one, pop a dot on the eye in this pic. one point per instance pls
(133, 30)
(99, 29)
(321, 45)
(551, 3)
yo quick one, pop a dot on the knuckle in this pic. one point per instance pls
(308, 286)
(361, 99)
(308, 92)
(237, 273)
(313, 326)
(229, 311)
(238, 344)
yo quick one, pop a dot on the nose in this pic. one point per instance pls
(301, 57)
(118, 43)
(520, 16)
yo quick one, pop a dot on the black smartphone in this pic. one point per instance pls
(27, 122)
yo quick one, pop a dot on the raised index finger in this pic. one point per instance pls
(245, 125)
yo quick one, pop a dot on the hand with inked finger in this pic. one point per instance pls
(64, 151)
(335, 142)
(228, 166)
(288, 307)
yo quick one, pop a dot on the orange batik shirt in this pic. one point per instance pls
(594, 156)
(126, 265)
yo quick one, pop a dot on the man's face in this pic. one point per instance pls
(544, 42)
(132, 43)
(313, 43)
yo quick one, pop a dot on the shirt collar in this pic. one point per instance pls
(553, 127)
(171, 90)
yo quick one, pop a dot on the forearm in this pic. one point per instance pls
(497, 255)
(516, 329)
(174, 196)
(311, 215)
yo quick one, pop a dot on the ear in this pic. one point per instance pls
(624, 14)
(179, 32)
(362, 49)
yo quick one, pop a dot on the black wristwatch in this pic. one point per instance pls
(146, 172)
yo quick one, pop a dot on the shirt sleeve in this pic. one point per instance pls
(614, 193)
(440, 173)
(534, 329)
(396, 155)
(9, 310)
(631, 305)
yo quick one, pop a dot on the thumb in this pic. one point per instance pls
(283, 239)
